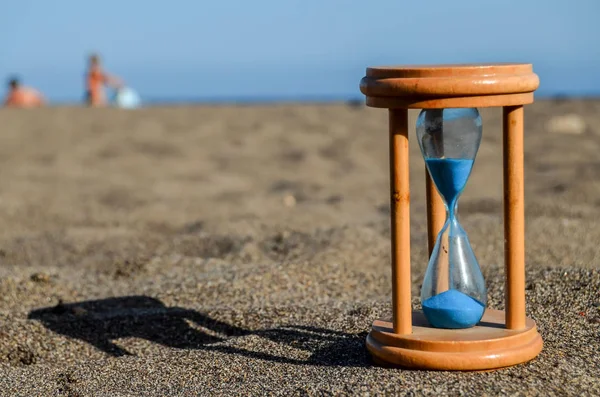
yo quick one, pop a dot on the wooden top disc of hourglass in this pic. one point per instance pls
(446, 86)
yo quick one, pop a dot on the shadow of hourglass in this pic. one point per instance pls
(100, 322)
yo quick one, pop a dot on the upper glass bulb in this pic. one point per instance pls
(449, 133)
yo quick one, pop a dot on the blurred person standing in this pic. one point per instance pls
(22, 97)
(96, 80)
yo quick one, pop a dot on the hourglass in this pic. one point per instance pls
(455, 330)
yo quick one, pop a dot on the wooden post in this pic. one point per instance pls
(514, 216)
(436, 212)
(400, 221)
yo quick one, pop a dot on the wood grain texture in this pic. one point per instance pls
(488, 345)
(400, 221)
(454, 86)
(443, 86)
(478, 101)
(514, 216)
(436, 211)
(449, 70)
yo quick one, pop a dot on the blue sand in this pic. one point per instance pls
(450, 176)
(453, 309)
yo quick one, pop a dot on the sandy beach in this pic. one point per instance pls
(244, 250)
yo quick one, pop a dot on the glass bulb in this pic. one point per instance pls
(453, 293)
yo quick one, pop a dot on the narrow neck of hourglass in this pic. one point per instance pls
(452, 209)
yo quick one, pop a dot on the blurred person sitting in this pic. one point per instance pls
(96, 79)
(22, 97)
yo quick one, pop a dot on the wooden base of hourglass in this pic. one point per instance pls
(488, 345)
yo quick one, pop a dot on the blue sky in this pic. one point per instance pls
(290, 48)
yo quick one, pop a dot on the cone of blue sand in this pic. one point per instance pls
(450, 176)
(453, 309)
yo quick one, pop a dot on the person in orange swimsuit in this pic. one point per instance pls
(96, 79)
(22, 97)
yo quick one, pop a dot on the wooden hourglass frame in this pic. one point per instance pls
(501, 338)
